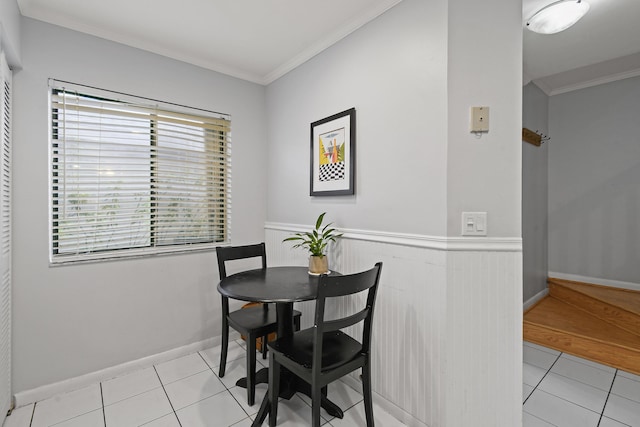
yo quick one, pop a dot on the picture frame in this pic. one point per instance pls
(332, 160)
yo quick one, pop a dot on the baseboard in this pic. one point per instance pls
(46, 391)
(596, 281)
(534, 299)
(394, 410)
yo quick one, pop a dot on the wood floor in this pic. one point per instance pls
(595, 322)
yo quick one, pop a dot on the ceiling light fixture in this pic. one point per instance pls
(557, 16)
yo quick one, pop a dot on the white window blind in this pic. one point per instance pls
(130, 179)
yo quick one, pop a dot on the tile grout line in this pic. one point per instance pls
(608, 395)
(582, 382)
(33, 413)
(581, 361)
(543, 377)
(166, 394)
(104, 415)
(538, 418)
(224, 385)
(566, 400)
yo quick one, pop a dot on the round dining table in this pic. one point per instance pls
(282, 286)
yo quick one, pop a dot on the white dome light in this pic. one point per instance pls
(557, 16)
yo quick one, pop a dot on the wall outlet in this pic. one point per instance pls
(474, 223)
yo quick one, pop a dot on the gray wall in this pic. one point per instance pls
(72, 320)
(484, 174)
(535, 116)
(594, 177)
(418, 166)
(393, 71)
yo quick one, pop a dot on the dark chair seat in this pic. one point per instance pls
(255, 318)
(338, 349)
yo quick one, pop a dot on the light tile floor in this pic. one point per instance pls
(558, 390)
(566, 391)
(186, 392)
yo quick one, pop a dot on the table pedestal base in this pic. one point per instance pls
(289, 385)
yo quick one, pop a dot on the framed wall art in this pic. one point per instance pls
(333, 141)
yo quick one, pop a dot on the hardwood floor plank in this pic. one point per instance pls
(626, 299)
(616, 306)
(556, 324)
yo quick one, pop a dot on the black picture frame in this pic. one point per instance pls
(333, 155)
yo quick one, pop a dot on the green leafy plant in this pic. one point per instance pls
(316, 240)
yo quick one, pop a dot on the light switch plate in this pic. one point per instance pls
(479, 119)
(474, 223)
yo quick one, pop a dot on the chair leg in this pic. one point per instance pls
(366, 389)
(264, 346)
(225, 346)
(251, 369)
(274, 389)
(316, 400)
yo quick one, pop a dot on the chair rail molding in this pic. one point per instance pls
(442, 243)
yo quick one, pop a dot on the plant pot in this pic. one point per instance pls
(318, 264)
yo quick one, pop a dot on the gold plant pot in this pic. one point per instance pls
(318, 264)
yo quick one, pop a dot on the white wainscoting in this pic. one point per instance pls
(484, 339)
(417, 321)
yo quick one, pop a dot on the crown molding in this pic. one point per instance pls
(595, 82)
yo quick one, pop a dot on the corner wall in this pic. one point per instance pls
(483, 325)
(77, 319)
(458, 301)
(393, 71)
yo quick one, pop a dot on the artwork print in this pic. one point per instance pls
(332, 155)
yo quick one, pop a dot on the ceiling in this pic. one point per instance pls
(601, 47)
(278, 35)
(257, 41)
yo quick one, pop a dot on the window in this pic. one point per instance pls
(129, 179)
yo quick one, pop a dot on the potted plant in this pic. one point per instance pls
(316, 241)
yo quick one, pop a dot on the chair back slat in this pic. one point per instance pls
(231, 253)
(345, 322)
(337, 286)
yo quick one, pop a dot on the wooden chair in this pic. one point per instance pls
(252, 322)
(323, 353)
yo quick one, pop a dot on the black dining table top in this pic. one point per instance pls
(273, 284)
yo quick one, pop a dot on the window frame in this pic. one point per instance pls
(217, 191)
